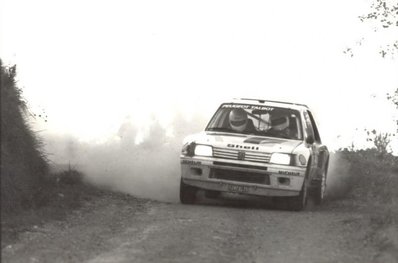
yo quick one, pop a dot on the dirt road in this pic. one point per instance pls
(114, 229)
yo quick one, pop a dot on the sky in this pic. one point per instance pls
(91, 65)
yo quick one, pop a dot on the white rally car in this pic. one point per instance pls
(256, 147)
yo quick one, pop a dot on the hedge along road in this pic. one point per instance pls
(115, 229)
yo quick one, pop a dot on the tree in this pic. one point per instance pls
(384, 12)
(383, 15)
(394, 99)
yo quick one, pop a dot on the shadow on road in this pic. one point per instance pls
(247, 202)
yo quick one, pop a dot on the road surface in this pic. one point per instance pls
(114, 229)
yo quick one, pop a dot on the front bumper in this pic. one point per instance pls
(244, 177)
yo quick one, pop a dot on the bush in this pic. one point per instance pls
(372, 176)
(23, 164)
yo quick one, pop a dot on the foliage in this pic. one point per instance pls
(393, 98)
(59, 195)
(370, 176)
(380, 140)
(23, 164)
(384, 14)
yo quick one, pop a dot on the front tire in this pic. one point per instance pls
(211, 194)
(298, 203)
(187, 193)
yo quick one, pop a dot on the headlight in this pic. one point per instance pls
(185, 149)
(188, 149)
(203, 150)
(280, 158)
(302, 159)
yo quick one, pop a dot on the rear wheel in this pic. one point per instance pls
(298, 203)
(187, 193)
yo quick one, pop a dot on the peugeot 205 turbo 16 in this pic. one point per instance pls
(257, 147)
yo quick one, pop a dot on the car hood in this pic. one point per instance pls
(244, 142)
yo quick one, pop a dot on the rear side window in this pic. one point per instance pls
(310, 121)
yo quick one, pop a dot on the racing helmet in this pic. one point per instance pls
(280, 124)
(238, 119)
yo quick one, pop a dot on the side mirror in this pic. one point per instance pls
(310, 139)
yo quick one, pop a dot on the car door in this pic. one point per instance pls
(309, 133)
(320, 151)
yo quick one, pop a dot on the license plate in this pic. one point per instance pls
(238, 188)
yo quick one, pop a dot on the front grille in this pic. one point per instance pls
(239, 176)
(248, 155)
(241, 165)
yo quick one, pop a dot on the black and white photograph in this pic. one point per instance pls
(199, 131)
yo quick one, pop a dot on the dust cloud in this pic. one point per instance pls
(149, 169)
(339, 178)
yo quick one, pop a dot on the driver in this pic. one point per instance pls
(280, 126)
(239, 121)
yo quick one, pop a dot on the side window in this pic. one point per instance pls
(308, 124)
(313, 124)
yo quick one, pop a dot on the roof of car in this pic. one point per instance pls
(273, 103)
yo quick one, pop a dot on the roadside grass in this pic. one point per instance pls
(30, 194)
(367, 181)
(23, 162)
(58, 196)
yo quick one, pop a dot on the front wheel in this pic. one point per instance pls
(187, 193)
(212, 194)
(298, 203)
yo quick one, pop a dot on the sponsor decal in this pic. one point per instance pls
(191, 162)
(288, 173)
(248, 107)
(231, 145)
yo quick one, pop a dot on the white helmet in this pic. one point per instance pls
(280, 124)
(238, 119)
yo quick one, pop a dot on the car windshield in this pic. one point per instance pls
(257, 120)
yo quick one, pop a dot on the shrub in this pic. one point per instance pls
(371, 176)
(23, 164)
